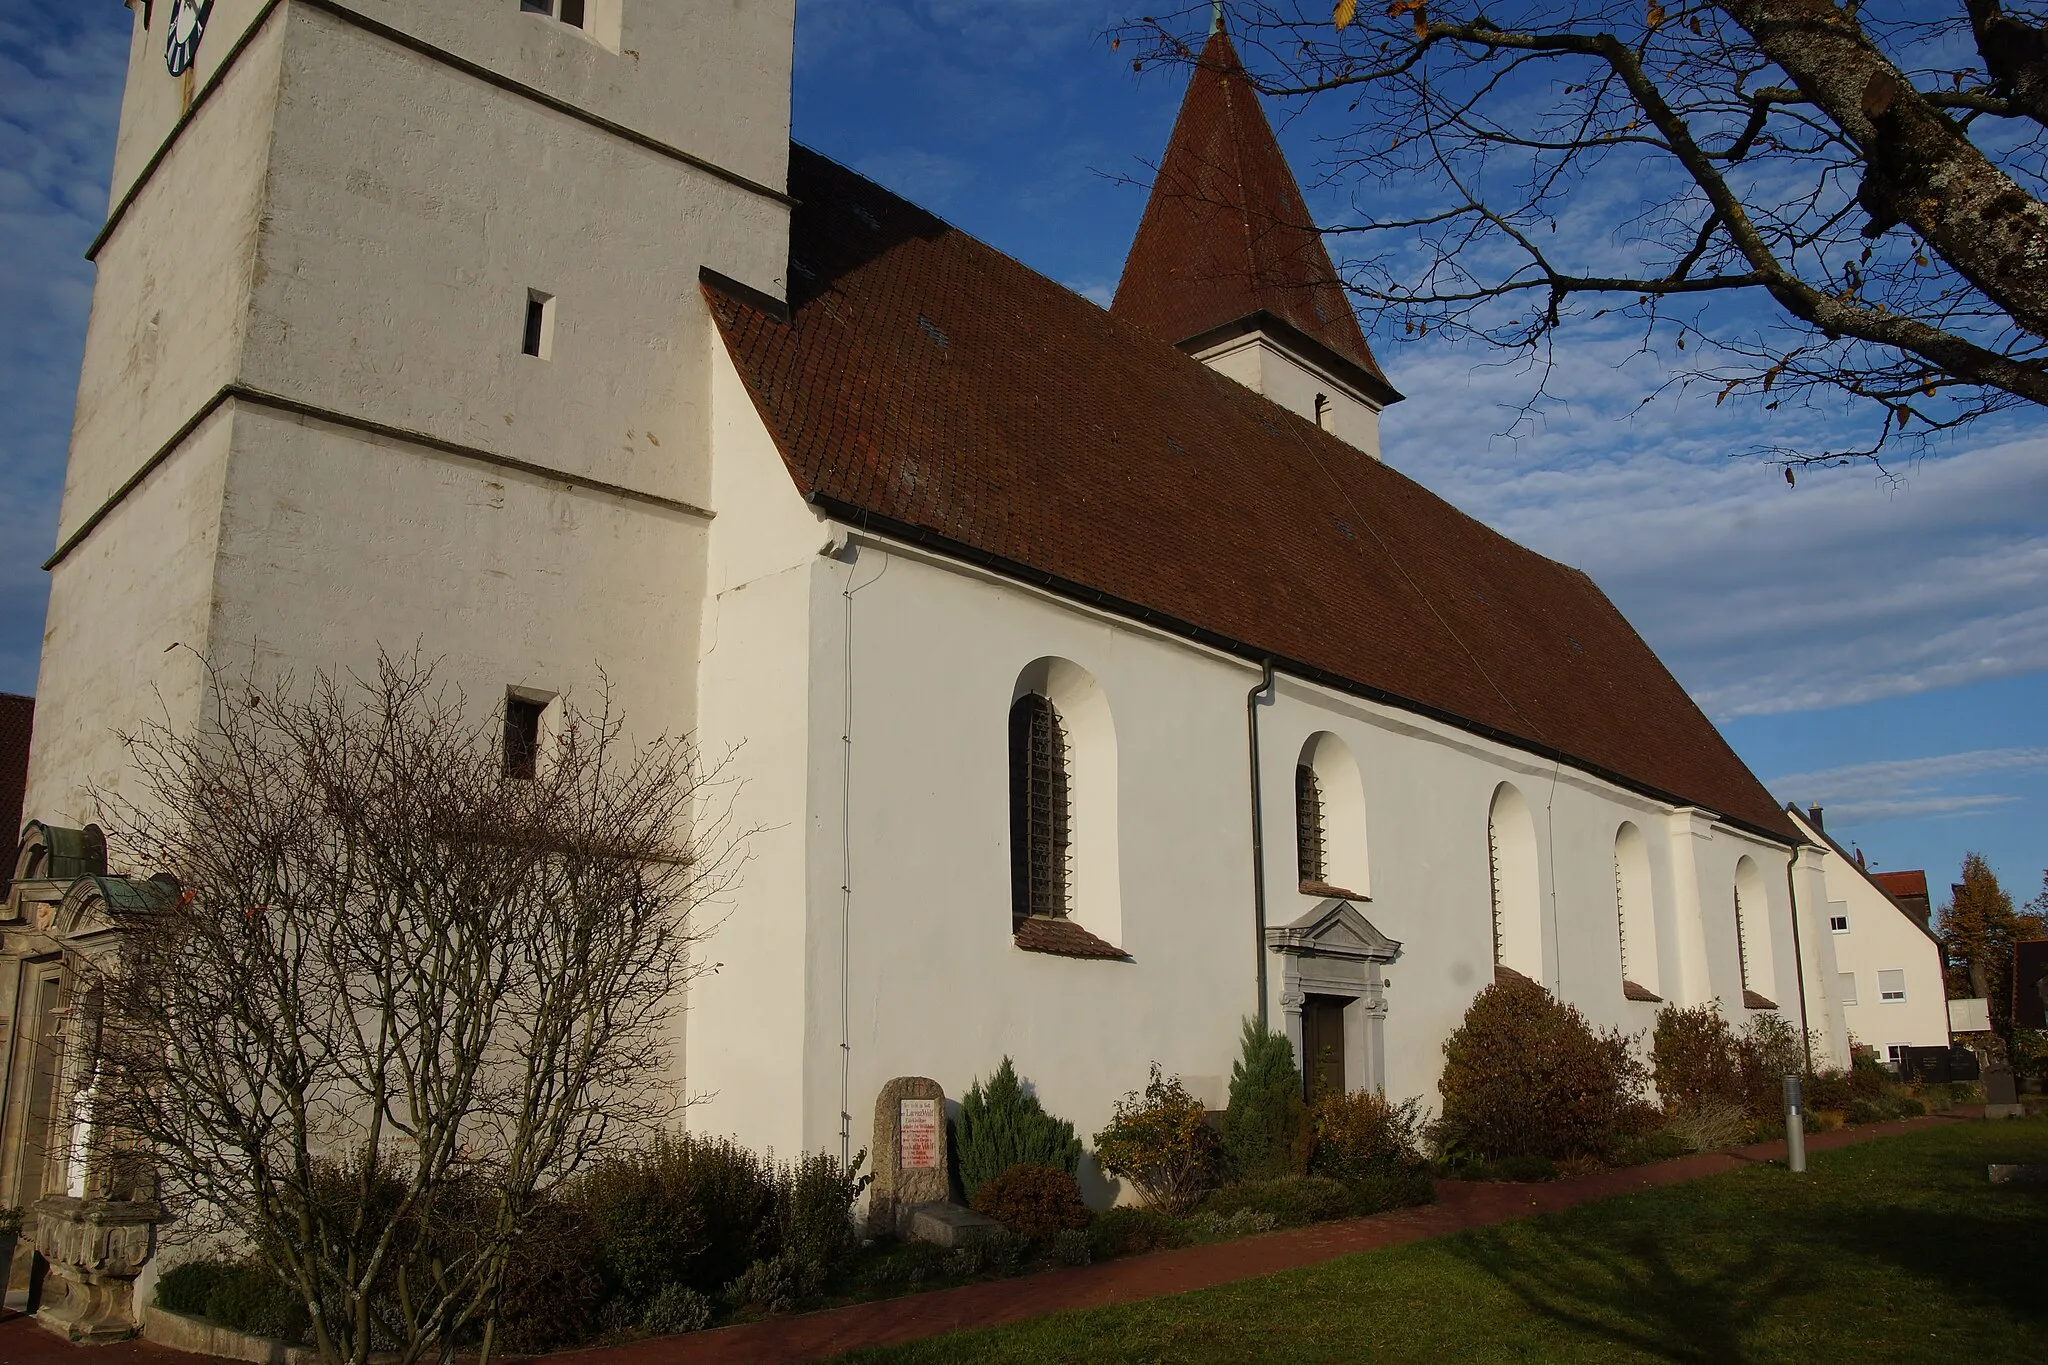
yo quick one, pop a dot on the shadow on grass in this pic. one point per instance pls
(1700, 1294)
(1997, 1260)
(1628, 1289)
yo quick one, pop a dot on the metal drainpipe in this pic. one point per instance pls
(841, 547)
(1798, 957)
(1251, 717)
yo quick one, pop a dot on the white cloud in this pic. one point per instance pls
(1762, 598)
(1892, 788)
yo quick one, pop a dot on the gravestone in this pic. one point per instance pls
(2001, 1094)
(911, 1195)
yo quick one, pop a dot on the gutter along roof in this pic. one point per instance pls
(923, 380)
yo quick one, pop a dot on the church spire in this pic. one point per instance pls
(1227, 236)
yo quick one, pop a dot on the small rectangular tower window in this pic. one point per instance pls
(522, 737)
(598, 20)
(540, 325)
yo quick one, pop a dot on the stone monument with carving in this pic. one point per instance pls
(912, 1193)
(910, 1152)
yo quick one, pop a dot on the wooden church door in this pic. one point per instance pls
(1322, 1044)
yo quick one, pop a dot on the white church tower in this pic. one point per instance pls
(398, 338)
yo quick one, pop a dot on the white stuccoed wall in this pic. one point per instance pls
(937, 988)
(352, 223)
(1880, 937)
(1265, 366)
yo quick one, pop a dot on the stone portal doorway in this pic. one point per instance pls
(1333, 1001)
(1322, 1045)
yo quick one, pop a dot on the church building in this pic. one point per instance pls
(1095, 679)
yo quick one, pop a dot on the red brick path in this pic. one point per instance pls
(892, 1322)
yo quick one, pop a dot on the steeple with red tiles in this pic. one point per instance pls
(1227, 250)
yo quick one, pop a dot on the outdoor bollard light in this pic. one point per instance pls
(1795, 1126)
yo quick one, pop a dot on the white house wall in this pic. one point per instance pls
(1882, 937)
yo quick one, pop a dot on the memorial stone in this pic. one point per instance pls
(910, 1152)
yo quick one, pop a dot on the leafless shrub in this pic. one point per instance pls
(399, 996)
(1708, 1125)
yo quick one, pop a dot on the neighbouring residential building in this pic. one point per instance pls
(1100, 682)
(1885, 962)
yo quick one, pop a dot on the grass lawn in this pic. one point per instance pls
(1897, 1249)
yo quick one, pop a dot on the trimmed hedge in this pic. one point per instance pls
(1035, 1202)
(1293, 1201)
(235, 1294)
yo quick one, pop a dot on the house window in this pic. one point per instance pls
(522, 737)
(569, 12)
(539, 340)
(1896, 1055)
(1891, 985)
(1847, 987)
(1839, 923)
(1039, 809)
(1308, 826)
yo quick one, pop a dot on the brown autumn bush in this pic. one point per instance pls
(1159, 1139)
(1526, 1076)
(1035, 1202)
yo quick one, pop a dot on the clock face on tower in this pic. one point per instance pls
(188, 26)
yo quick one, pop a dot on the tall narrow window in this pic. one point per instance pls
(1621, 910)
(522, 737)
(1493, 873)
(539, 340)
(1039, 810)
(1308, 827)
(1741, 939)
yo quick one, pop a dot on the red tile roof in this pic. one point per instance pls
(17, 720)
(1226, 233)
(1902, 883)
(926, 384)
(1064, 938)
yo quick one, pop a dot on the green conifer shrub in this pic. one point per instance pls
(1001, 1126)
(1265, 1127)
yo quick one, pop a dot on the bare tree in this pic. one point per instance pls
(399, 995)
(1832, 198)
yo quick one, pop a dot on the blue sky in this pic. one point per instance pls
(1879, 645)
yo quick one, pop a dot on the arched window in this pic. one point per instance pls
(1039, 809)
(1517, 904)
(1634, 913)
(1329, 819)
(1308, 826)
(1752, 938)
(1064, 855)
